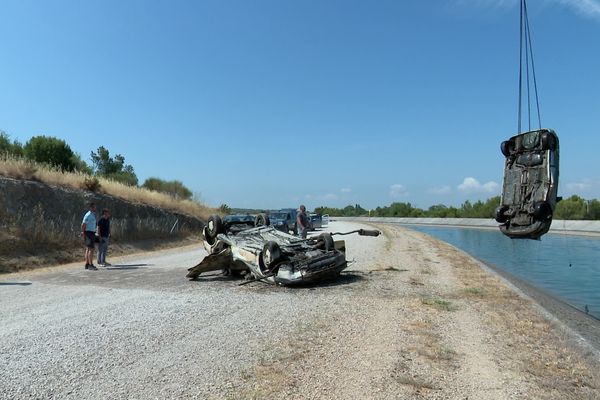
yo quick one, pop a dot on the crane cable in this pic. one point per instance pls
(526, 52)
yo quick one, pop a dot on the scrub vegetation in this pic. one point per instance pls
(573, 208)
(50, 160)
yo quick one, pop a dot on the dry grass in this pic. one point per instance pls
(23, 169)
(439, 304)
(544, 354)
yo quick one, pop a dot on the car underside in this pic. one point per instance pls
(529, 190)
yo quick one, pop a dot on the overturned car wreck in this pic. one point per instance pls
(263, 253)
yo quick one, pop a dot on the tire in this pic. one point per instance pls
(327, 240)
(506, 147)
(499, 214)
(262, 220)
(214, 226)
(548, 141)
(542, 211)
(271, 254)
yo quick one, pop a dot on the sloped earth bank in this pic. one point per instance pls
(411, 318)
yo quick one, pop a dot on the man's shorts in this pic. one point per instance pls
(90, 239)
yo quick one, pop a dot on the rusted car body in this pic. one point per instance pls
(530, 185)
(266, 254)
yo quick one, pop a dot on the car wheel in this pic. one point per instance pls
(271, 254)
(542, 211)
(506, 147)
(214, 226)
(327, 240)
(548, 141)
(499, 214)
(262, 220)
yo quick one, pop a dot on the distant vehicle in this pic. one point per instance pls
(284, 220)
(324, 220)
(315, 220)
(529, 189)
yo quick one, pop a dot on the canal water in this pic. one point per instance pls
(566, 266)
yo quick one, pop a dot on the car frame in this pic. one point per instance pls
(530, 184)
(266, 254)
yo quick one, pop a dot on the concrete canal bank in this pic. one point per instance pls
(591, 228)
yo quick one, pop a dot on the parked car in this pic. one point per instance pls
(530, 185)
(315, 221)
(266, 254)
(324, 220)
(284, 220)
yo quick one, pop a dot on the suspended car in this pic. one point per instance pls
(529, 190)
(266, 254)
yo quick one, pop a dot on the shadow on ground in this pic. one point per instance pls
(345, 278)
(129, 266)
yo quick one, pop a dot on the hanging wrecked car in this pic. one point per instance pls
(529, 190)
(266, 254)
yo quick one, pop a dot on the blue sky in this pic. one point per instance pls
(272, 103)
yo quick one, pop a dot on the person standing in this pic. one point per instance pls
(302, 222)
(104, 234)
(88, 231)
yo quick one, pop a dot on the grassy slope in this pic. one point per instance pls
(27, 170)
(19, 251)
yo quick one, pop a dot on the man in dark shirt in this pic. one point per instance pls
(302, 222)
(104, 234)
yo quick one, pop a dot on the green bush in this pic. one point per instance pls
(91, 183)
(113, 168)
(174, 188)
(7, 147)
(51, 151)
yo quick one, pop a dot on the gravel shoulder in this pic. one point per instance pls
(410, 318)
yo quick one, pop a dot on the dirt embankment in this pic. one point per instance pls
(40, 224)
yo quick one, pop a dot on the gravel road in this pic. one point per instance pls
(395, 325)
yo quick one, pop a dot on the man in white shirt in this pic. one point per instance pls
(88, 231)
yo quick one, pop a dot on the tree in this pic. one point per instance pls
(400, 210)
(50, 150)
(437, 211)
(113, 168)
(479, 209)
(80, 165)
(13, 148)
(593, 209)
(572, 208)
(174, 188)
